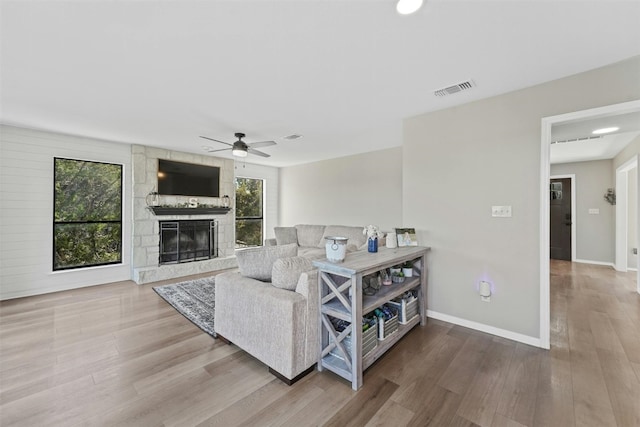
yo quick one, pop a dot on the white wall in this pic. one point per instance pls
(595, 234)
(459, 162)
(631, 150)
(26, 211)
(632, 231)
(271, 176)
(354, 190)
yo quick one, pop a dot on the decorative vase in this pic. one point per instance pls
(372, 245)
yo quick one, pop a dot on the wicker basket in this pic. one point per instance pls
(387, 327)
(369, 342)
(406, 310)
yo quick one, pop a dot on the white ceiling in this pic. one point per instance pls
(573, 141)
(341, 73)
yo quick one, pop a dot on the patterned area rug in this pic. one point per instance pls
(194, 299)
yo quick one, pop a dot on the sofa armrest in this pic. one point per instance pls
(270, 242)
(267, 322)
(308, 286)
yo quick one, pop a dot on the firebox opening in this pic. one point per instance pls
(188, 240)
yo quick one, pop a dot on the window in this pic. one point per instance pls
(87, 214)
(249, 212)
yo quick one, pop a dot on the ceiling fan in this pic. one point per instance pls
(241, 148)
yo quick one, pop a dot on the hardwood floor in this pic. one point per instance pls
(119, 355)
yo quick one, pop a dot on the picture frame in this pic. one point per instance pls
(406, 237)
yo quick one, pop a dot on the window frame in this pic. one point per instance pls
(121, 221)
(261, 217)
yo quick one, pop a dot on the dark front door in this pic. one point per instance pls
(560, 218)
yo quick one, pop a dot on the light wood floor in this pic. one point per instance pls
(119, 355)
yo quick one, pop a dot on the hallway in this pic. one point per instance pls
(595, 339)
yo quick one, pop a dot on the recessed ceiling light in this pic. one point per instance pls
(292, 136)
(407, 7)
(605, 130)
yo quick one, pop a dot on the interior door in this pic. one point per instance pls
(560, 220)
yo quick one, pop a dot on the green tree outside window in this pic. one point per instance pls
(87, 224)
(249, 212)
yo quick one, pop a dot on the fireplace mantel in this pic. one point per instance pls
(167, 210)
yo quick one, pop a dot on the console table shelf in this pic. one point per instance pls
(341, 297)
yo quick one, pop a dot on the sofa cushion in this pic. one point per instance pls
(287, 271)
(354, 234)
(310, 235)
(257, 263)
(286, 235)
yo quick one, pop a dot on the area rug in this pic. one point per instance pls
(194, 299)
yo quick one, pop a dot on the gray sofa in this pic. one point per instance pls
(311, 238)
(270, 307)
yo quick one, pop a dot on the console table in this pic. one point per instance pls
(341, 297)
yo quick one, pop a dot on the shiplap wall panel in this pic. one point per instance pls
(26, 211)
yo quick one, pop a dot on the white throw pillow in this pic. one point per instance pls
(257, 263)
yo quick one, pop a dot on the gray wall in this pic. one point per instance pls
(459, 162)
(595, 234)
(354, 190)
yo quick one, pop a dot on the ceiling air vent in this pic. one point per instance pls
(585, 138)
(459, 87)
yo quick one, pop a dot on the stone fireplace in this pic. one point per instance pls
(148, 265)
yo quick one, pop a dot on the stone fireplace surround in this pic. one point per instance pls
(146, 228)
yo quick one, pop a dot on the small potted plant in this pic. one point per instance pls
(396, 269)
(398, 277)
(407, 269)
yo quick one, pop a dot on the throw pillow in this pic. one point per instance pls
(310, 235)
(286, 235)
(286, 272)
(257, 263)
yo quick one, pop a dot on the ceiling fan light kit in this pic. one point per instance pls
(241, 148)
(239, 152)
(407, 7)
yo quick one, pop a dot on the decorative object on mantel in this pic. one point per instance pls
(184, 209)
(226, 201)
(372, 232)
(610, 196)
(152, 199)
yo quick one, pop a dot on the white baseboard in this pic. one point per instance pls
(586, 261)
(632, 269)
(525, 339)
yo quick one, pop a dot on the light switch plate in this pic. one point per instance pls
(501, 211)
(594, 211)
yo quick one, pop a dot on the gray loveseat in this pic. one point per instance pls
(270, 307)
(311, 238)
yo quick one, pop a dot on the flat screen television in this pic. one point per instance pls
(186, 179)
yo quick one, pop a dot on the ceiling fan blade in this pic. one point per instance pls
(222, 149)
(211, 139)
(261, 144)
(257, 153)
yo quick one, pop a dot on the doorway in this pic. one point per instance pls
(547, 123)
(560, 218)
